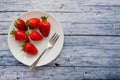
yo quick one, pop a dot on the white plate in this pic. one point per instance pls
(51, 54)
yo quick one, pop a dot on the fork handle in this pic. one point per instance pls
(36, 61)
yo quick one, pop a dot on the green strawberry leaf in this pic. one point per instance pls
(44, 17)
(28, 24)
(16, 22)
(12, 32)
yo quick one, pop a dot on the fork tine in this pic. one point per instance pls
(56, 38)
(52, 37)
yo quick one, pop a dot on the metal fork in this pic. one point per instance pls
(51, 43)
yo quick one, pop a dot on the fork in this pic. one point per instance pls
(50, 44)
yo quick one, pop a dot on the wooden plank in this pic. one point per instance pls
(78, 51)
(50, 2)
(71, 17)
(99, 2)
(57, 7)
(97, 42)
(67, 59)
(58, 73)
(77, 28)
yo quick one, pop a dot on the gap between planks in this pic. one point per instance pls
(64, 66)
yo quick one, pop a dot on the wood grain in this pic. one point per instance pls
(70, 60)
(73, 28)
(72, 17)
(97, 42)
(79, 51)
(58, 7)
(51, 73)
(92, 40)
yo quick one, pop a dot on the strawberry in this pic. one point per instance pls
(20, 36)
(44, 26)
(33, 23)
(29, 48)
(35, 36)
(20, 24)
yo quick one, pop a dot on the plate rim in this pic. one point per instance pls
(43, 13)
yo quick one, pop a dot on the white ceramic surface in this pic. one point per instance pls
(51, 54)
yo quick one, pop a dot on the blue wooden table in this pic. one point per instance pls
(92, 40)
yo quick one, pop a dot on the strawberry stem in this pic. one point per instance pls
(28, 24)
(12, 32)
(23, 45)
(44, 18)
(16, 22)
(28, 33)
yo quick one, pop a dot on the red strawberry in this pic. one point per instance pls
(44, 26)
(35, 36)
(30, 49)
(33, 23)
(20, 36)
(20, 24)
